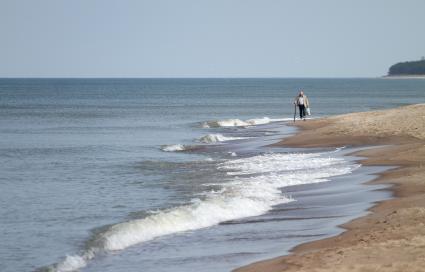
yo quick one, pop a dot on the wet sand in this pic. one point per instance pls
(392, 236)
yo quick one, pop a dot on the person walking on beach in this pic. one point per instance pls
(302, 102)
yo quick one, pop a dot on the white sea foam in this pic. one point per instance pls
(241, 123)
(260, 121)
(253, 189)
(213, 138)
(225, 123)
(72, 263)
(278, 162)
(173, 148)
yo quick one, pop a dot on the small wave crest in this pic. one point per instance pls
(173, 148)
(225, 123)
(241, 123)
(213, 138)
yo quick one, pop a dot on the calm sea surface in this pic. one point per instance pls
(173, 174)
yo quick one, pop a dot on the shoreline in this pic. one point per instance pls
(392, 236)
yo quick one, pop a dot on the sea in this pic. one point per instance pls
(175, 174)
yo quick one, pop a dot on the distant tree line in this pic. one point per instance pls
(408, 68)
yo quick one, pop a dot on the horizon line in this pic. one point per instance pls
(206, 77)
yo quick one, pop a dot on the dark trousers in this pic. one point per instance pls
(302, 111)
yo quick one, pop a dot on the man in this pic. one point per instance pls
(302, 102)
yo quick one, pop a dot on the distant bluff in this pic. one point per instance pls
(416, 68)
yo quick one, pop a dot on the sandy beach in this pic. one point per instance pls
(392, 236)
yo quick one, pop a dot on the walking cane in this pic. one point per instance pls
(295, 111)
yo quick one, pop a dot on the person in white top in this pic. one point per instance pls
(302, 102)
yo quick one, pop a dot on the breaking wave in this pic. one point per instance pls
(241, 123)
(173, 148)
(213, 138)
(254, 187)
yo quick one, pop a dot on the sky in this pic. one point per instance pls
(215, 38)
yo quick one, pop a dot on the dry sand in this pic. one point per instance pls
(392, 236)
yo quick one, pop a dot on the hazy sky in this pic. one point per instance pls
(215, 38)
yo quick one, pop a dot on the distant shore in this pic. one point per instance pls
(405, 77)
(392, 236)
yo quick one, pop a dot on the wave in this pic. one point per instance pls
(253, 189)
(173, 148)
(213, 138)
(241, 123)
(209, 138)
(277, 162)
(225, 123)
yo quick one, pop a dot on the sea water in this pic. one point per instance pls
(173, 174)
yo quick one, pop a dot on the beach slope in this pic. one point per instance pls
(392, 236)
